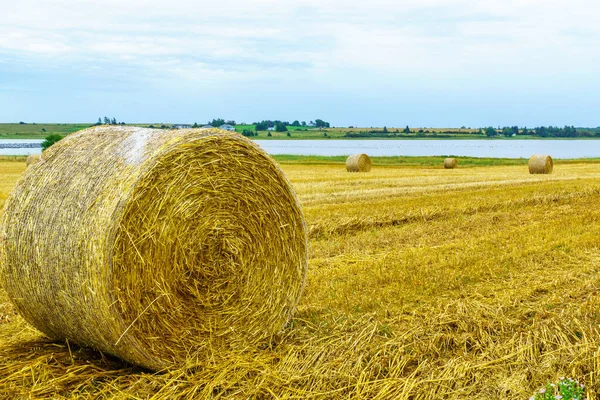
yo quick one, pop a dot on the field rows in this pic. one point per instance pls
(423, 283)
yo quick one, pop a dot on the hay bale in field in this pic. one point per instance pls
(156, 246)
(450, 163)
(540, 164)
(358, 163)
(32, 159)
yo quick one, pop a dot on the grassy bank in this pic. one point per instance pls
(435, 162)
(37, 131)
(399, 161)
(13, 158)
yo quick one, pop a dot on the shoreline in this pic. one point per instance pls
(391, 161)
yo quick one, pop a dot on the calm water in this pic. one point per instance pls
(19, 151)
(473, 148)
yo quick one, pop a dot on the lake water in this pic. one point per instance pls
(20, 147)
(472, 148)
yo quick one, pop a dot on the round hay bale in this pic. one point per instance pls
(358, 163)
(156, 246)
(540, 164)
(33, 159)
(450, 163)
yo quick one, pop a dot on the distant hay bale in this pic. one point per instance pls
(32, 159)
(540, 164)
(450, 163)
(358, 163)
(156, 246)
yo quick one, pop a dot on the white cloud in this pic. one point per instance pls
(249, 39)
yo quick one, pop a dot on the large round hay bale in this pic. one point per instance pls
(32, 159)
(540, 164)
(358, 163)
(157, 246)
(450, 163)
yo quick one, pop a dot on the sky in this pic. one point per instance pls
(422, 63)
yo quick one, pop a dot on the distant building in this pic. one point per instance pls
(181, 126)
(271, 128)
(207, 127)
(227, 127)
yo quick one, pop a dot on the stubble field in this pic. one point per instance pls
(423, 283)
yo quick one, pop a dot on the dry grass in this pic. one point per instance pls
(483, 284)
(159, 247)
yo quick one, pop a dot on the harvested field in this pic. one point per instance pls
(480, 284)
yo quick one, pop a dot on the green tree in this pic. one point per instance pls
(49, 141)
(99, 121)
(406, 130)
(261, 126)
(113, 121)
(507, 131)
(319, 123)
(217, 122)
(541, 131)
(106, 121)
(280, 127)
(491, 131)
(303, 123)
(296, 123)
(385, 129)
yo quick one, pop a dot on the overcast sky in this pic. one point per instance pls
(439, 63)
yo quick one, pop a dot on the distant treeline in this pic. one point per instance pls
(219, 121)
(266, 124)
(507, 131)
(108, 121)
(543, 131)
(385, 132)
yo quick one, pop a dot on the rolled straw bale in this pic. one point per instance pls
(358, 163)
(540, 164)
(450, 163)
(157, 246)
(32, 159)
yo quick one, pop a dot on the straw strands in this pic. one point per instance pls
(450, 163)
(159, 247)
(540, 164)
(358, 163)
(33, 159)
